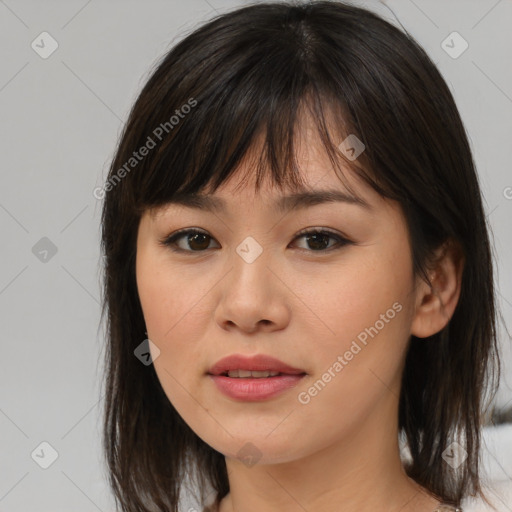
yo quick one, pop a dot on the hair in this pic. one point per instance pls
(249, 75)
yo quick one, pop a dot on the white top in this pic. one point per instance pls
(499, 493)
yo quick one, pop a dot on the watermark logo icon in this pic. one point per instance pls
(454, 455)
(147, 352)
(44, 45)
(249, 454)
(352, 147)
(44, 455)
(44, 250)
(454, 45)
(249, 249)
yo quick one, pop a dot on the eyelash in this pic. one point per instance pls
(170, 241)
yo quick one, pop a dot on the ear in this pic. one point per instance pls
(435, 304)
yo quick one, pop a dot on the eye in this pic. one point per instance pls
(318, 238)
(195, 238)
(198, 241)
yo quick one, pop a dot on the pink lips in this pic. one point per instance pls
(253, 388)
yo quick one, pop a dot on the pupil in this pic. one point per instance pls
(194, 239)
(322, 245)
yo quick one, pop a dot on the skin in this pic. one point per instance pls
(339, 452)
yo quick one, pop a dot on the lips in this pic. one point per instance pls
(238, 386)
(259, 362)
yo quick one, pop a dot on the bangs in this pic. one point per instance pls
(246, 113)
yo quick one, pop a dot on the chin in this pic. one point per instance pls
(257, 448)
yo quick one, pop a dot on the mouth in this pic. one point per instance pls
(253, 378)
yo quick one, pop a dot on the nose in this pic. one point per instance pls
(252, 297)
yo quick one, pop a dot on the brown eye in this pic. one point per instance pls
(318, 240)
(194, 241)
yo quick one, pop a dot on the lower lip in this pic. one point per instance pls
(252, 389)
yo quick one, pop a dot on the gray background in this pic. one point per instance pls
(60, 120)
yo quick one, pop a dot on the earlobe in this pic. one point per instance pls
(435, 304)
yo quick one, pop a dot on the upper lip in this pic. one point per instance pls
(259, 362)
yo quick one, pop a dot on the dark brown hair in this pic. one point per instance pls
(251, 73)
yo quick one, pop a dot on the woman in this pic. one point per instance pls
(298, 274)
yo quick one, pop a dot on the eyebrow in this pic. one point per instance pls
(296, 201)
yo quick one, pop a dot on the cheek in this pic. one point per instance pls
(167, 296)
(156, 297)
(175, 317)
(361, 314)
(352, 299)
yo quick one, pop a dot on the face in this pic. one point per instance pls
(337, 305)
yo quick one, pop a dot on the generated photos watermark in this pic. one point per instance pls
(304, 397)
(157, 135)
